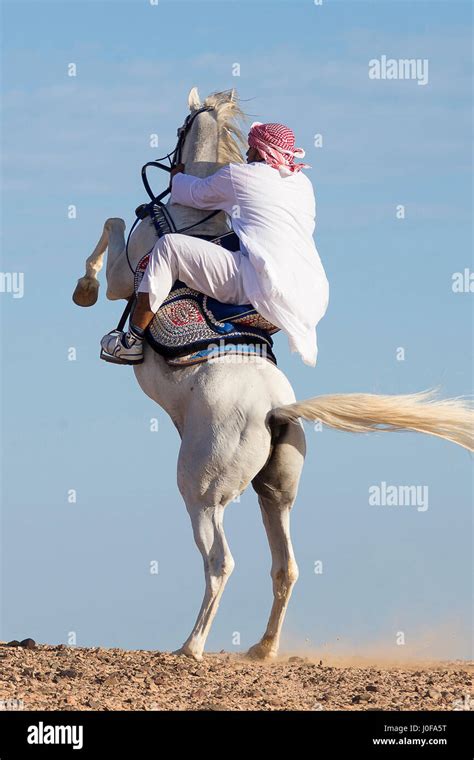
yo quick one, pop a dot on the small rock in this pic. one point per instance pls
(28, 643)
(371, 687)
(67, 673)
(274, 702)
(14, 643)
(296, 659)
(112, 680)
(360, 698)
(94, 705)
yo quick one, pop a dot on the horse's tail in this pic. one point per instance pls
(452, 418)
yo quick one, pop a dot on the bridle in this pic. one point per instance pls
(156, 209)
(162, 220)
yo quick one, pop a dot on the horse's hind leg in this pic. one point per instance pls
(210, 474)
(208, 529)
(276, 485)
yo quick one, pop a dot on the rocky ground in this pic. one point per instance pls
(73, 678)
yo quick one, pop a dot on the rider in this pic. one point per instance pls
(277, 269)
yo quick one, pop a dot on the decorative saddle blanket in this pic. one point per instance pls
(190, 327)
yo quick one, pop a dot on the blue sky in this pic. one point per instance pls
(84, 567)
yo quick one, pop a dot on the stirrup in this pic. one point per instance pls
(114, 359)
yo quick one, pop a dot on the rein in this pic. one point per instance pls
(162, 220)
(156, 209)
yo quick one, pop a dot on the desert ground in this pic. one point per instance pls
(43, 677)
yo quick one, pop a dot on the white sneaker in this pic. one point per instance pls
(121, 348)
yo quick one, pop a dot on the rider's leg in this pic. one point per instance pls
(200, 264)
(142, 314)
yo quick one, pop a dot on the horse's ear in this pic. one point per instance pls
(193, 99)
(232, 94)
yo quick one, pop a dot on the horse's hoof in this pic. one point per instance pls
(86, 292)
(185, 652)
(261, 652)
(114, 220)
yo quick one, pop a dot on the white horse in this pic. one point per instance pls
(239, 423)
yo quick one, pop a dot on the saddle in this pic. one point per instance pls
(190, 327)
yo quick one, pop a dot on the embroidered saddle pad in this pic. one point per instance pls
(190, 327)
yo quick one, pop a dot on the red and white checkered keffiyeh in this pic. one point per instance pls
(276, 145)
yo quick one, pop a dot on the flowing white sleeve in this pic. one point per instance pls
(214, 192)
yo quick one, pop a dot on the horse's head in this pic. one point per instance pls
(211, 133)
(209, 138)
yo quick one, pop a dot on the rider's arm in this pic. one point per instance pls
(214, 192)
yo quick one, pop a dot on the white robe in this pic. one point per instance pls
(274, 219)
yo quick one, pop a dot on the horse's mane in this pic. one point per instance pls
(232, 140)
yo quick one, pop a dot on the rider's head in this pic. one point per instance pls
(275, 145)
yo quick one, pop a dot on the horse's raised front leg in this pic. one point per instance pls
(208, 529)
(87, 288)
(276, 486)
